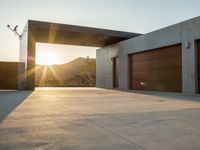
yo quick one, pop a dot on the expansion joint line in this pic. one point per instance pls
(109, 130)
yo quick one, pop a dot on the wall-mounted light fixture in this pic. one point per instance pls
(187, 44)
(15, 31)
(111, 59)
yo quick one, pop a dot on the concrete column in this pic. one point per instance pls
(123, 71)
(30, 72)
(189, 74)
(21, 76)
(23, 59)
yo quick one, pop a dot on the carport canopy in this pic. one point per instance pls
(55, 33)
(47, 32)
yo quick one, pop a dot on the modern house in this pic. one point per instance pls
(164, 60)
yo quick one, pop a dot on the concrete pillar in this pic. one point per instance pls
(26, 70)
(189, 74)
(21, 76)
(123, 71)
(30, 71)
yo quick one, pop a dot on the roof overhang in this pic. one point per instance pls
(48, 32)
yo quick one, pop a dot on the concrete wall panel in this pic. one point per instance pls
(23, 59)
(104, 66)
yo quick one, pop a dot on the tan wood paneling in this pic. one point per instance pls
(157, 70)
(8, 75)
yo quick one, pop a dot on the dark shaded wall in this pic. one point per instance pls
(198, 64)
(9, 75)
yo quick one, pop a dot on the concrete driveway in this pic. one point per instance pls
(98, 119)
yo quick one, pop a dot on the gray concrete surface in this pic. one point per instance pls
(99, 119)
(187, 31)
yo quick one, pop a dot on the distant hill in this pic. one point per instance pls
(68, 74)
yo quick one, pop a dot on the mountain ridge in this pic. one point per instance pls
(61, 73)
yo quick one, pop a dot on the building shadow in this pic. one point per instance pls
(9, 100)
(171, 95)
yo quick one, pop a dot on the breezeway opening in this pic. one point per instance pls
(60, 65)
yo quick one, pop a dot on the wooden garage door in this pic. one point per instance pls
(157, 70)
(8, 75)
(115, 72)
(198, 58)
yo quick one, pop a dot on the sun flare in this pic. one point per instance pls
(47, 58)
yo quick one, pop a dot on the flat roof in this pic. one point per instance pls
(48, 32)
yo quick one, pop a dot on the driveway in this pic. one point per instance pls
(98, 119)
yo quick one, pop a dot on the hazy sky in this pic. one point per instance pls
(140, 16)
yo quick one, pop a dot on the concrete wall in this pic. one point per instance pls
(9, 75)
(184, 32)
(104, 66)
(23, 59)
(27, 59)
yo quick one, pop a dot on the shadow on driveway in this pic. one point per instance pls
(9, 100)
(171, 95)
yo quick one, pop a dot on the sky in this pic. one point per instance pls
(141, 16)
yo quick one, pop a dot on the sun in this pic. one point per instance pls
(47, 58)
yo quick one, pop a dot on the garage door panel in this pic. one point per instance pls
(159, 69)
(167, 52)
(167, 74)
(9, 75)
(143, 75)
(8, 85)
(142, 66)
(3, 67)
(172, 63)
(142, 57)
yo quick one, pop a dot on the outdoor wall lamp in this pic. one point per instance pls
(15, 31)
(187, 44)
(111, 59)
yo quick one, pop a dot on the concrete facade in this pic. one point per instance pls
(185, 33)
